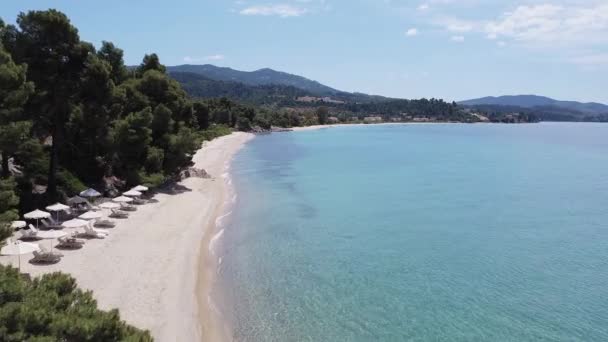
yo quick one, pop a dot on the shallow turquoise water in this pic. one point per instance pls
(420, 233)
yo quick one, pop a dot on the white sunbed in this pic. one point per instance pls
(50, 224)
(70, 242)
(30, 234)
(94, 232)
(119, 214)
(46, 257)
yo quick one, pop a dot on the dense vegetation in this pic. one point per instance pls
(544, 113)
(255, 78)
(202, 87)
(51, 308)
(276, 97)
(72, 114)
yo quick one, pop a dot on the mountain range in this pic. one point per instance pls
(259, 77)
(534, 101)
(268, 86)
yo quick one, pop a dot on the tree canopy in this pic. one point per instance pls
(52, 308)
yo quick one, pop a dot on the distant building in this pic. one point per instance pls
(372, 119)
(333, 120)
(326, 99)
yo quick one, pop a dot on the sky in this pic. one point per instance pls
(450, 49)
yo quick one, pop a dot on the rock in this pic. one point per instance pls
(193, 172)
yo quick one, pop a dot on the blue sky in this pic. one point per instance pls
(451, 49)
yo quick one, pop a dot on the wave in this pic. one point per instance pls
(214, 240)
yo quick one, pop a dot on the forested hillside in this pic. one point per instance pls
(72, 115)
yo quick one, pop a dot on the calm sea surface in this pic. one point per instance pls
(420, 233)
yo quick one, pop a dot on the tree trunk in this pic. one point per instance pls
(51, 189)
(5, 171)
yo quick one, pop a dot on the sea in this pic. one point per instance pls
(419, 232)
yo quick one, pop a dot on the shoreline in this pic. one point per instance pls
(155, 266)
(317, 127)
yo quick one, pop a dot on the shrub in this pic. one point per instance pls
(52, 308)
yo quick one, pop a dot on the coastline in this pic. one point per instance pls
(316, 127)
(155, 266)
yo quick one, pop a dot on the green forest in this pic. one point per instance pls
(71, 115)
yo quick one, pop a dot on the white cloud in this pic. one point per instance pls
(546, 24)
(575, 31)
(423, 7)
(280, 10)
(458, 25)
(189, 59)
(411, 32)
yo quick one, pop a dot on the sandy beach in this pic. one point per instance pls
(150, 265)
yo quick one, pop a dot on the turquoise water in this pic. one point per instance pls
(420, 233)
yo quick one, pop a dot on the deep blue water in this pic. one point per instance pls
(420, 233)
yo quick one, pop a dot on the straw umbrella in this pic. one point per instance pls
(132, 193)
(51, 235)
(74, 223)
(76, 200)
(90, 193)
(109, 205)
(140, 188)
(57, 207)
(90, 215)
(19, 248)
(122, 199)
(36, 215)
(18, 224)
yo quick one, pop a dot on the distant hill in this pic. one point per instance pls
(199, 86)
(254, 85)
(533, 101)
(256, 78)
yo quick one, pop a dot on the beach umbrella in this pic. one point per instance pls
(36, 215)
(122, 199)
(90, 215)
(57, 207)
(51, 235)
(90, 193)
(109, 205)
(74, 223)
(18, 248)
(18, 224)
(132, 193)
(140, 188)
(76, 200)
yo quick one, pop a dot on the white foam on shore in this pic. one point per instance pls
(214, 240)
(220, 219)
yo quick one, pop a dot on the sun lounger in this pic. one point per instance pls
(139, 201)
(46, 257)
(127, 207)
(43, 249)
(119, 214)
(105, 224)
(70, 243)
(29, 234)
(48, 224)
(99, 231)
(92, 234)
(95, 233)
